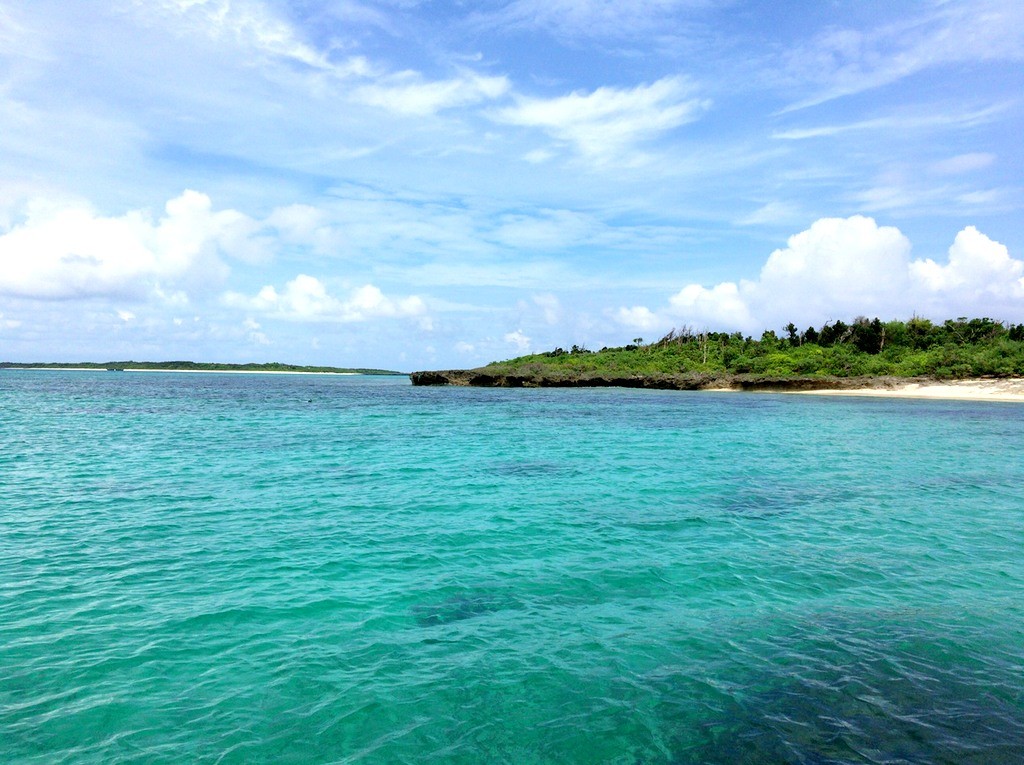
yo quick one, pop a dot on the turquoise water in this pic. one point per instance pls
(246, 568)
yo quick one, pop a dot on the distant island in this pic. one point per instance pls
(866, 353)
(193, 366)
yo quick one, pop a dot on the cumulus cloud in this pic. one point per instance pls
(519, 340)
(978, 269)
(639, 317)
(837, 264)
(607, 123)
(63, 250)
(256, 337)
(305, 298)
(721, 303)
(845, 267)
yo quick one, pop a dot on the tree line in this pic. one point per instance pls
(962, 347)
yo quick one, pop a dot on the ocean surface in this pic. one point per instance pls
(200, 568)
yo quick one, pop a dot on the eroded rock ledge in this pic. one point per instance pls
(486, 379)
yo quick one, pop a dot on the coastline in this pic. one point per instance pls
(1010, 389)
(190, 371)
(242, 372)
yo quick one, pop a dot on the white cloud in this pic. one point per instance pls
(963, 163)
(639, 317)
(298, 221)
(19, 40)
(9, 323)
(925, 121)
(305, 298)
(771, 213)
(307, 226)
(522, 274)
(545, 230)
(550, 306)
(990, 198)
(977, 268)
(838, 264)
(840, 268)
(407, 93)
(721, 305)
(519, 340)
(256, 337)
(63, 250)
(591, 18)
(363, 222)
(258, 32)
(248, 23)
(538, 156)
(846, 61)
(607, 123)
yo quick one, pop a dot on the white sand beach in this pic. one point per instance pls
(1007, 389)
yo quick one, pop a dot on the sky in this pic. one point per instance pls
(409, 184)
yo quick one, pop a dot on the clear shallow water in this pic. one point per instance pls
(244, 568)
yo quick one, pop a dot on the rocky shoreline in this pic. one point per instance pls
(743, 382)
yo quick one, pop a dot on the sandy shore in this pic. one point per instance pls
(1010, 389)
(975, 389)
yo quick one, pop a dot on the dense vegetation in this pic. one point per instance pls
(953, 349)
(191, 366)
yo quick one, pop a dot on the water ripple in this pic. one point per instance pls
(248, 569)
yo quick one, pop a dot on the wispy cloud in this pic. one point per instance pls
(408, 93)
(910, 193)
(843, 62)
(608, 124)
(928, 121)
(256, 29)
(249, 23)
(18, 41)
(591, 18)
(775, 212)
(963, 163)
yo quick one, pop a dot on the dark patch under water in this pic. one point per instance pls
(850, 692)
(456, 608)
(529, 469)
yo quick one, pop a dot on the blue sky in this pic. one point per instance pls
(412, 184)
